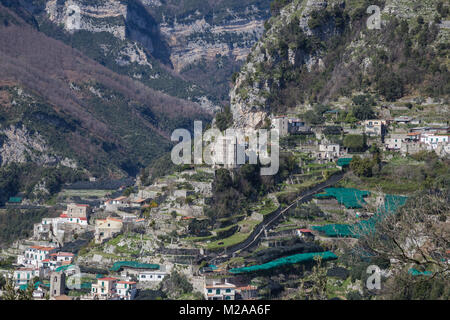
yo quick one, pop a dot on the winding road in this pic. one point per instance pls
(272, 218)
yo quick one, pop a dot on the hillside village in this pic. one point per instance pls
(122, 247)
(93, 207)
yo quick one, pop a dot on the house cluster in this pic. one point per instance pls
(112, 205)
(73, 220)
(39, 261)
(419, 139)
(410, 141)
(130, 274)
(109, 288)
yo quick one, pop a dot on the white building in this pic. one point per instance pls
(62, 257)
(35, 255)
(23, 275)
(220, 291)
(152, 275)
(374, 127)
(105, 288)
(433, 140)
(114, 204)
(64, 218)
(329, 152)
(126, 290)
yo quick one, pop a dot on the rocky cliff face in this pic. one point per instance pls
(123, 19)
(249, 102)
(199, 40)
(18, 145)
(318, 51)
(180, 35)
(201, 37)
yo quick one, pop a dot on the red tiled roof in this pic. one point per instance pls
(126, 282)
(305, 230)
(43, 248)
(63, 215)
(108, 279)
(63, 254)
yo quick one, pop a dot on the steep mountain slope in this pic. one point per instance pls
(210, 39)
(170, 46)
(317, 51)
(120, 35)
(59, 107)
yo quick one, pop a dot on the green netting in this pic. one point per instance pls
(133, 264)
(336, 230)
(296, 258)
(349, 197)
(15, 200)
(24, 287)
(391, 205)
(64, 268)
(416, 272)
(343, 162)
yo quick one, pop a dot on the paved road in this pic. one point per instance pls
(270, 220)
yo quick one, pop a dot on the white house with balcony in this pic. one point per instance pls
(432, 140)
(220, 291)
(151, 275)
(35, 255)
(105, 288)
(126, 290)
(374, 127)
(23, 275)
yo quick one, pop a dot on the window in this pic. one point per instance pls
(227, 298)
(209, 290)
(217, 291)
(228, 290)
